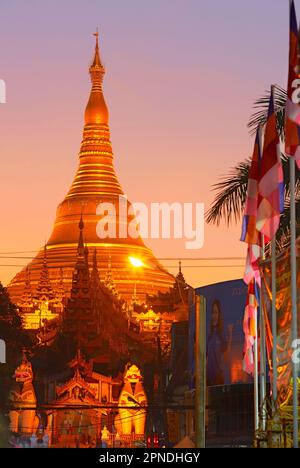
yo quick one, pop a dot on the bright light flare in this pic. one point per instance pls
(136, 262)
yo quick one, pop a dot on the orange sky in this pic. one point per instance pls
(180, 84)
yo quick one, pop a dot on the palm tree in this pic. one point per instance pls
(231, 191)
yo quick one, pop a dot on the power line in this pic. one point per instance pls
(7, 255)
(171, 259)
(166, 266)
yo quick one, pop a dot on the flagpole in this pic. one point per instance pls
(262, 369)
(294, 298)
(274, 322)
(256, 401)
(263, 390)
(274, 294)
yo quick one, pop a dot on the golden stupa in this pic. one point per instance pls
(95, 182)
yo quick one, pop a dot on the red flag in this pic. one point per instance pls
(271, 184)
(292, 111)
(250, 328)
(249, 232)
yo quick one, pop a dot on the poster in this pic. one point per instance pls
(225, 305)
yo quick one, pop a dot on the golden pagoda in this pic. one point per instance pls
(95, 182)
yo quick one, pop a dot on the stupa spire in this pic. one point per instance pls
(95, 175)
(96, 69)
(95, 182)
(96, 110)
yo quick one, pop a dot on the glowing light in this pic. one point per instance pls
(136, 262)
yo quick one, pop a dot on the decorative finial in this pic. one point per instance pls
(96, 111)
(80, 247)
(45, 254)
(96, 34)
(81, 224)
(179, 266)
(96, 65)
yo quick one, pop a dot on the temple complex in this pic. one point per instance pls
(95, 182)
(87, 409)
(94, 317)
(46, 304)
(89, 311)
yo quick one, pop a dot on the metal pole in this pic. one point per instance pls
(274, 322)
(262, 366)
(294, 299)
(256, 403)
(263, 370)
(255, 346)
(200, 371)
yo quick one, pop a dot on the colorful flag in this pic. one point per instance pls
(249, 232)
(250, 328)
(252, 265)
(292, 111)
(271, 184)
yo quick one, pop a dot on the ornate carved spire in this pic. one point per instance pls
(97, 70)
(81, 277)
(79, 321)
(59, 291)
(95, 276)
(109, 280)
(80, 248)
(26, 300)
(180, 278)
(44, 291)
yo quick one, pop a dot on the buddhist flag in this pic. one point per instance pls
(292, 111)
(252, 271)
(250, 328)
(270, 184)
(249, 232)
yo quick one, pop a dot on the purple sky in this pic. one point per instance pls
(181, 79)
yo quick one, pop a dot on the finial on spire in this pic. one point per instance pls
(80, 247)
(96, 34)
(45, 254)
(179, 266)
(81, 224)
(96, 65)
(96, 111)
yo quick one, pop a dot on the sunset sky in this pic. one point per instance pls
(181, 78)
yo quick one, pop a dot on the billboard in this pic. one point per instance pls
(284, 348)
(225, 305)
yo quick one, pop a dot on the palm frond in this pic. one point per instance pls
(283, 233)
(229, 202)
(262, 104)
(286, 176)
(231, 195)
